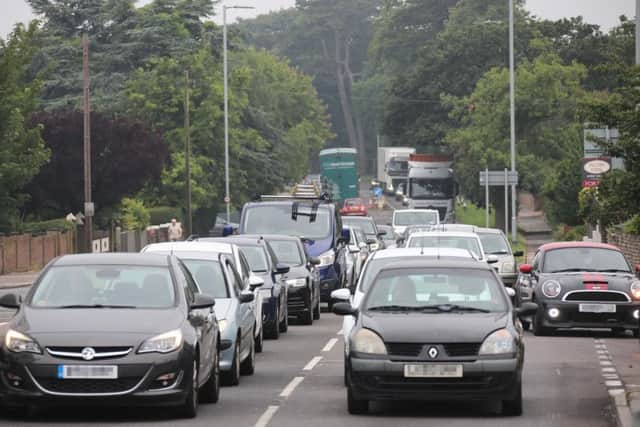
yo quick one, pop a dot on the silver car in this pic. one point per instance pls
(495, 243)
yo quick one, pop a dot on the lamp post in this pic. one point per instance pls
(512, 90)
(227, 197)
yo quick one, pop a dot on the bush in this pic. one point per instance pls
(570, 234)
(134, 215)
(163, 214)
(632, 226)
(44, 226)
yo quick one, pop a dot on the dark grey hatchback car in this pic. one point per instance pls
(120, 329)
(435, 330)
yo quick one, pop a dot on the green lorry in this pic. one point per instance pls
(339, 173)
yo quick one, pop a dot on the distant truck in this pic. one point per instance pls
(393, 167)
(339, 173)
(431, 184)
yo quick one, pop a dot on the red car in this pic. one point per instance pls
(354, 207)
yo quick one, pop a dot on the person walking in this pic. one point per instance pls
(175, 231)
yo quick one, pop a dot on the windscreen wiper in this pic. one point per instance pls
(394, 308)
(571, 270)
(445, 308)
(96, 306)
(613, 270)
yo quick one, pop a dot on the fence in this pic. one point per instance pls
(134, 241)
(628, 243)
(27, 252)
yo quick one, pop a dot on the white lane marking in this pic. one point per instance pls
(264, 419)
(312, 363)
(558, 372)
(330, 344)
(604, 357)
(291, 387)
(3, 323)
(608, 370)
(612, 383)
(616, 391)
(606, 363)
(340, 332)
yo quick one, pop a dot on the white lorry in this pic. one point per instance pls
(393, 166)
(431, 184)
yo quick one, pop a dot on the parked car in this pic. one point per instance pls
(264, 264)
(580, 285)
(112, 329)
(406, 217)
(215, 274)
(472, 348)
(368, 225)
(358, 253)
(354, 207)
(302, 280)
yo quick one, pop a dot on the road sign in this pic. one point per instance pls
(227, 200)
(89, 209)
(497, 178)
(593, 169)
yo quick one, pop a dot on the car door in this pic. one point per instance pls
(245, 317)
(202, 320)
(256, 304)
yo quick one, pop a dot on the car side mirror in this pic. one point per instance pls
(382, 233)
(492, 259)
(526, 268)
(353, 249)
(371, 241)
(518, 254)
(314, 261)
(527, 309)
(255, 282)
(341, 295)
(345, 236)
(246, 297)
(282, 268)
(11, 301)
(344, 309)
(200, 301)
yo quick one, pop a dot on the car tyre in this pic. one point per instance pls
(284, 325)
(273, 332)
(248, 365)
(537, 328)
(316, 310)
(356, 406)
(190, 407)
(210, 391)
(513, 407)
(526, 324)
(233, 376)
(259, 341)
(306, 318)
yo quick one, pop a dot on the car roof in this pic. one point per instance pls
(422, 252)
(114, 259)
(358, 218)
(444, 233)
(271, 237)
(483, 230)
(239, 240)
(321, 204)
(414, 210)
(561, 245)
(191, 246)
(446, 263)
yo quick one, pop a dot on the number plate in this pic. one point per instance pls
(597, 308)
(79, 372)
(433, 371)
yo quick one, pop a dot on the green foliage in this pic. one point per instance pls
(134, 215)
(163, 214)
(632, 226)
(569, 234)
(43, 226)
(472, 214)
(589, 206)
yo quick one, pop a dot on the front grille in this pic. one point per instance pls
(98, 352)
(404, 349)
(462, 349)
(77, 386)
(596, 296)
(598, 317)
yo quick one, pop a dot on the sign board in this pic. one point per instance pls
(593, 169)
(104, 244)
(496, 178)
(89, 209)
(227, 200)
(593, 150)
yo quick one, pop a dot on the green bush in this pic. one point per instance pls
(632, 226)
(163, 214)
(134, 215)
(569, 234)
(44, 226)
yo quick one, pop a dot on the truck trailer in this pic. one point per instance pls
(339, 173)
(431, 184)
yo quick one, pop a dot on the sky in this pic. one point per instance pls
(602, 12)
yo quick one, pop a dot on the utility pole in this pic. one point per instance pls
(187, 143)
(637, 32)
(88, 203)
(512, 85)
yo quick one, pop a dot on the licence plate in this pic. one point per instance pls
(87, 372)
(433, 371)
(597, 308)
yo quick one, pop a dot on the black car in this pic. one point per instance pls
(111, 329)
(580, 285)
(435, 330)
(264, 263)
(368, 225)
(302, 280)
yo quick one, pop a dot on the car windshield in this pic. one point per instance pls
(287, 252)
(256, 257)
(438, 290)
(105, 286)
(209, 277)
(415, 218)
(494, 244)
(366, 224)
(425, 188)
(277, 219)
(373, 267)
(584, 259)
(435, 241)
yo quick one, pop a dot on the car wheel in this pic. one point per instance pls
(636, 333)
(316, 310)
(248, 366)
(356, 406)
(513, 407)
(306, 318)
(538, 329)
(273, 332)
(259, 341)
(190, 407)
(233, 376)
(346, 371)
(210, 391)
(284, 325)
(330, 306)
(525, 324)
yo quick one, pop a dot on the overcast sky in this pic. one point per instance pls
(602, 12)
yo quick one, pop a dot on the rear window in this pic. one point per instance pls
(495, 244)
(256, 257)
(209, 277)
(287, 252)
(467, 243)
(367, 225)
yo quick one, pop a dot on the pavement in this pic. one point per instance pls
(17, 280)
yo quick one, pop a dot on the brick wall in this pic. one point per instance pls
(628, 243)
(26, 252)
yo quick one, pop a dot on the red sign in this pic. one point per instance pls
(592, 170)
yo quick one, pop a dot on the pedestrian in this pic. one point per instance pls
(175, 230)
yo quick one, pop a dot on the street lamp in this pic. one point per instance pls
(512, 96)
(227, 197)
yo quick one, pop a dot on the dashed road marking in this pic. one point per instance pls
(330, 344)
(340, 332)
(291, 387)
(609, 372)
(312, 363)
(266, 416)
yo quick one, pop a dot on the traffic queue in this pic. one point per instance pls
(431, 312)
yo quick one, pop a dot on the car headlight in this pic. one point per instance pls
(222, 325)
(327, 258)
(297, 283)
(499, 342)
(508, 267)
(265, 293)
(635, 289)
(19, 343)
(163, 343)
(551, 288)
(367, 341)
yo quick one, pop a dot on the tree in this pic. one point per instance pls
(126, 154)
(22, 151)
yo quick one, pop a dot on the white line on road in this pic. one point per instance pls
(291, 387)
(312, 363)
(330, 344)
(339, 332)
(612, 383)
(264, 419)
